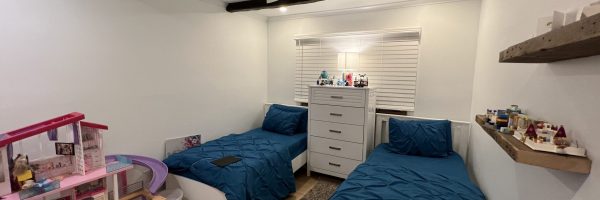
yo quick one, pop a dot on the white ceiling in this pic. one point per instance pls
(327, 6)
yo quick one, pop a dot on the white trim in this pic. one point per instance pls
(421, 118)
(299, 161)
(362, 9)
(416, 29)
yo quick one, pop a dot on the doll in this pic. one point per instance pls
(22, 172)
(348, 79)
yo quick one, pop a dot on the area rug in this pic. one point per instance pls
(322, 190)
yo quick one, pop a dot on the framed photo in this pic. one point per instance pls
(65, 148)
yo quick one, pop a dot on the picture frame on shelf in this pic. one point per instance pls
(67, 149)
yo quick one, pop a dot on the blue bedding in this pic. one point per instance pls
(387, 175)
(265, 171)
(296, 143)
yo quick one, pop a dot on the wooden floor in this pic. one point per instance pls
(305, 183)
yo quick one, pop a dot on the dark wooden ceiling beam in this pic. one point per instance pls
(262, 4)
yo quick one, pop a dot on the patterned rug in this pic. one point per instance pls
(322, 190)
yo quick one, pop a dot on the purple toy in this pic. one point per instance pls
(159, 169)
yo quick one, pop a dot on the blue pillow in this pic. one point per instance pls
(432, 138)
(281, 121)
(303, 124)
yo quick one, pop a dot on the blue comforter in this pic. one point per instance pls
(386, 175)
(265, 171)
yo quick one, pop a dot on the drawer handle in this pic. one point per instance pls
(334, 164)
(335, 148)
(337, 97)
(335, 114)
(335, 131)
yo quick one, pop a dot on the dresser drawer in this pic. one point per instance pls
(336, 148)
(332, 163)
(339, 114)
(345, 132)
(338, 96)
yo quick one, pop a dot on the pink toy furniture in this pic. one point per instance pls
(64, 151)
(66, 157)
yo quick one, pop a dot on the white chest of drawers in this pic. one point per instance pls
(341, 128)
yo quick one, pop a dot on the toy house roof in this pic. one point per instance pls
(46, 126)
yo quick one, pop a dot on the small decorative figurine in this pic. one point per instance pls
(561, 132)
(560, 139)
(530, 133)
(324, 79)
(348, 79)
(22, 172)
(341, 82)
(362, 81)
(324, 75)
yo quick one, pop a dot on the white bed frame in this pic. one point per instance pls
(195, 190)
(461, 131)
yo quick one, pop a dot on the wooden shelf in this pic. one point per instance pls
(521, 153)
(576, 40)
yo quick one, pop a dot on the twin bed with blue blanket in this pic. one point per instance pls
(387, 175)
(264, 172)
(417, 159)
(269, 156)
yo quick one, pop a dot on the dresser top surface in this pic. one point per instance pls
(342, 87)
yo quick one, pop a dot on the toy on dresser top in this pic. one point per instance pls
(347, 79)
(537, 134)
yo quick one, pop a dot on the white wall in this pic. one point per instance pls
(445, 75)
(150, 69)
(563, 92)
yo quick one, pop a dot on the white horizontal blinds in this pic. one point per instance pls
(390, 60)
(391, 64)
(312, 57)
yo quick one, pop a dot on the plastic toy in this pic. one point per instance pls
(63, 158)
(531, 133)
(159, 169)
(70, 150)
(22, 172)
(324, 75)
(348, 78)
(361, 81)
(134, 191)
(560, 138)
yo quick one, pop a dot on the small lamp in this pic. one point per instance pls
(346, 62)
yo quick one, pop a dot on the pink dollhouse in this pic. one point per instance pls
(51, 156)
(63, 158)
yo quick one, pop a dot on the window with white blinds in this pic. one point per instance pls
(389, 58)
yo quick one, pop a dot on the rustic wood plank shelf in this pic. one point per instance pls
(576, 40)
(521, 153)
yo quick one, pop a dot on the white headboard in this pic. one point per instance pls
(461, 131)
